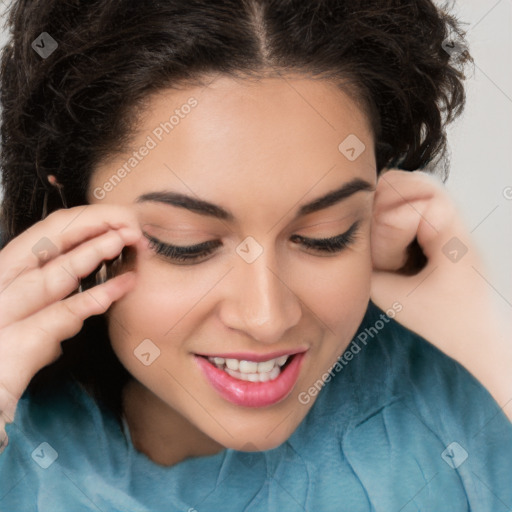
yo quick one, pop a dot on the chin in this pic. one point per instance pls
(256, 444)
(259, 436)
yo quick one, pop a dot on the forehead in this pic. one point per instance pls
(236, 131)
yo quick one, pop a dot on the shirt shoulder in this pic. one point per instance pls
(416, 415)
(60, 443)
(398, 365)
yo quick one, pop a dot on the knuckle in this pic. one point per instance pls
(97, 249)
(122, 215)
(68, 310)
(96, 301)
(57, 278)
(9, 274)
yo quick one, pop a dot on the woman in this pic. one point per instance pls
(283, 325)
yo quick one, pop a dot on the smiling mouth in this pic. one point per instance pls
(250, 370)
(252, 385)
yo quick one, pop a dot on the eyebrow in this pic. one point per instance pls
(212, 210)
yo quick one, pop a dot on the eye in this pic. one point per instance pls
(329, 245)
(182, 253)
(192, 253)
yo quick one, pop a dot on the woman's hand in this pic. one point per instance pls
(39, 273)
(447, 302)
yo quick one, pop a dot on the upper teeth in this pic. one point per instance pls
(249, 366)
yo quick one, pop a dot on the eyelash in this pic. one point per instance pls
(194, 252)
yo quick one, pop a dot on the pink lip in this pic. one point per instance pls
(252, 394)
(246, 356)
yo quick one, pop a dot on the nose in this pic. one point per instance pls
(261, 302)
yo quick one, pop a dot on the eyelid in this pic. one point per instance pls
(316, 224)
(350, 230)
(209, 243)
(160, 232)
(195, 254)
(183, 248)
(328, 244)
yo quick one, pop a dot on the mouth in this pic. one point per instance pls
(252, 371)
(250, 383)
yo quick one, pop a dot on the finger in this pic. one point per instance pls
(29, 345)
(406, 206)
(392, 231)
(59, 232)
(39, 287)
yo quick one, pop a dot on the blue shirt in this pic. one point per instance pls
(398, 426)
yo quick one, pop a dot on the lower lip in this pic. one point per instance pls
(252, 394)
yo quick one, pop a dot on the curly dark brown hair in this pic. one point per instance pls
(66, 113)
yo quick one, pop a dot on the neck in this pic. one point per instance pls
(159, 431)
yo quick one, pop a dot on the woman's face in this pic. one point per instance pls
(235, 163)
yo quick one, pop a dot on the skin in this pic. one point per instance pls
(259, 150)
(288, 298)
(448, 302)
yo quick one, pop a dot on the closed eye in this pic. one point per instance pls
(192, 253)
(331, 245)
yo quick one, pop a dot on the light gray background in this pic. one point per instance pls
(480, 142)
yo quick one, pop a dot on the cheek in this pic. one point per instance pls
(167, 306)
(159, 307)
(341, 302)
(338, 291)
